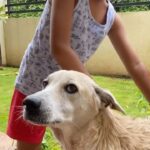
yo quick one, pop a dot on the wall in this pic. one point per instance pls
(18, 33)
(106, 60)
(2, 43)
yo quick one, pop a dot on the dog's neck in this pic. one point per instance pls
(65, 136)
(104, 128)
(100, 133)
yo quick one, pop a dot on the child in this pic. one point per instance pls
(68, 33)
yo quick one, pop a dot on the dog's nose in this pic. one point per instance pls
(32, 104)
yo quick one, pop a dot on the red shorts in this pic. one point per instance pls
(18, 128)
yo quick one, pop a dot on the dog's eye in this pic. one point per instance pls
(45, 83)
(71, 88)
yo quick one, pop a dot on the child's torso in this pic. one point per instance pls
(88, 30)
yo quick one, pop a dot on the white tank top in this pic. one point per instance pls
(86, 35)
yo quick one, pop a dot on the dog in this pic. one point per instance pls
(84, 116)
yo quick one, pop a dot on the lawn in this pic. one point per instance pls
(124, 90)
(7, 78)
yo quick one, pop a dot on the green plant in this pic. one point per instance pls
(142, 7)
(49, 143)
(3, 15)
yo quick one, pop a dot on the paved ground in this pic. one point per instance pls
(6, 143)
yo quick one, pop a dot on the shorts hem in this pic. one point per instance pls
(24, 138)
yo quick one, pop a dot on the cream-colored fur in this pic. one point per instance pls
(110, 131)
(84, 116)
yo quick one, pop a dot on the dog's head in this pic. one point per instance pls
(68, 97)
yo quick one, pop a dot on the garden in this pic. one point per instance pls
(124, 90)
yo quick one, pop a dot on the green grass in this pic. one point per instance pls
(7, 78)
(124, 90)
(127, 94)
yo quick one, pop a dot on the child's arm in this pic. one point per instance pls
(129, 57)
(61, 24)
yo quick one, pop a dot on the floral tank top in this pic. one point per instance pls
(86, 35)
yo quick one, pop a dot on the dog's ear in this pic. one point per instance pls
(107, 99)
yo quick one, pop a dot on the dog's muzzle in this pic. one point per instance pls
(36, 114)
(33, 111)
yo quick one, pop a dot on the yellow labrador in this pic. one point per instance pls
(81, 115)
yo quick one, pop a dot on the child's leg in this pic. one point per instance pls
(25, 133)
(27, 146)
